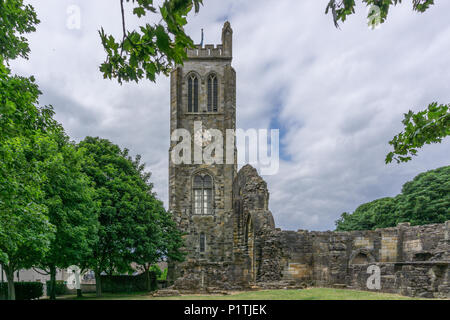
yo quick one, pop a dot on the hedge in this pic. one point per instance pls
(24, 290)
(3, 291)
(127, 284)
(61, 288)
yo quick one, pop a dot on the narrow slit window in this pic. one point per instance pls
(215, 93)
(202, 242)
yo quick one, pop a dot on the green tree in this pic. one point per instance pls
(153, 48)
(20, 114)
(114, 184)
(369, 216)
(71, 209)
(26, 148)
(25, 230)
(341, 9)
(424, 200)
(424, 127)
(40, 174)
(16, 19)
(150, 50)
(133, 225)
(156, 239)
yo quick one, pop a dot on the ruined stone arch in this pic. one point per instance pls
(361, 256)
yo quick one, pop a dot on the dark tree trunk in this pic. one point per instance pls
(98, 284)
(147, 277)
(52, 282)
(10, 278)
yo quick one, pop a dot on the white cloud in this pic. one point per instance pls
(337, 95)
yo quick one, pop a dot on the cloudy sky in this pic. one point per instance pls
(337, 96)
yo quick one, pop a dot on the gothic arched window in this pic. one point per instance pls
(203, 191)
(192, 93)
(212, 93)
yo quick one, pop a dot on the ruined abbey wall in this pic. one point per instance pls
(413, 260)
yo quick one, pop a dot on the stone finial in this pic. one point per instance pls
(227, 39)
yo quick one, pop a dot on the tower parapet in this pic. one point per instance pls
(224, 50)
(208, 51)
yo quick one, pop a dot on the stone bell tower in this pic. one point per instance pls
(203, 97)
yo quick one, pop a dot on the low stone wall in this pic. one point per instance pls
(204, 276)
(413, 260)
(420, 279)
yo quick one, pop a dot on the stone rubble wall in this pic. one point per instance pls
(413, 260)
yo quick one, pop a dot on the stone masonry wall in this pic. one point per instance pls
(413, 260)
(253, 226)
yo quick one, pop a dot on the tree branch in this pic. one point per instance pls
(44, 274)
(123, 25)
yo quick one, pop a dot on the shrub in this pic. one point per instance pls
(127, 283)
(3, 290)
(163, 276)
(156, 270)
(24, 290)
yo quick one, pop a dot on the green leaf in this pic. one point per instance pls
(139, 11)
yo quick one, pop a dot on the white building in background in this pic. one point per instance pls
(36, 275)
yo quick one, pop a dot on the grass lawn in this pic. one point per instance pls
(306, 294)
